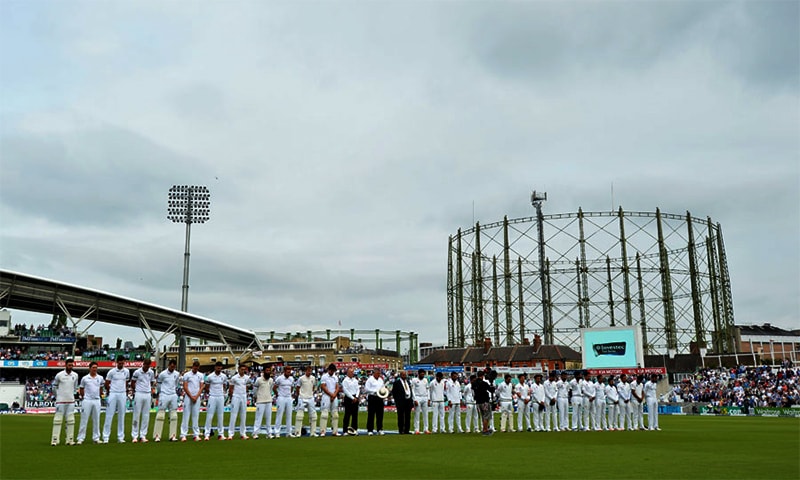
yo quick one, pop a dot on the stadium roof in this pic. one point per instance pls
(26, 292)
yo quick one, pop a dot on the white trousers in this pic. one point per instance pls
(652, 413)
(421, 408)
(613, 415)
(577, 410)
(238, 409)
(524, 413)
(563, 413)
(263, 411)
(90, 409)
(588, 413)
(550, 416)
(191, 410)
(437, 420)
(637, 414)
(472, 418)
(454, 418)
(115, 404)
(215, 406)
(284, 415)
(624, 415)
(600, 422)
(141, 415)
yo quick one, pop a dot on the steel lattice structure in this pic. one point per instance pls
(554, 274)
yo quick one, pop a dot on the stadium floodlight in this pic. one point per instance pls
(187, 204)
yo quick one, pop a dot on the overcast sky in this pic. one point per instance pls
(343, 142)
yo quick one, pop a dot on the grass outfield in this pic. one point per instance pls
(687, 447)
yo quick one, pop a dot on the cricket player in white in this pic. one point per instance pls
(538, 404)
(264, 403)
(419, 390)
(600, 406)
(505, 396)
(238, 393)
(167, 383)
(551, 407)
(589, 391)
(65, 384)
(283, 386)
(637, 402)
(306, 385)
(471, 409)
(117, 388)
(436, 388)
(522, 392)
(576, 398)
(452, 388)
(215, 387)
(90, 403)
(193, 386)
(142, 383)
(651, 397)
(329, 404)
(562, 386)
(612, 400)
(624, 390)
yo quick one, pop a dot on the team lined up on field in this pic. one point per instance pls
(596, 403)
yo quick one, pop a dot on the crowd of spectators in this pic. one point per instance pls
(22, 352)
(742, 386)
(21, 330)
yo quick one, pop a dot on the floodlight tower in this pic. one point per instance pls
(547, 323)
(187, 204)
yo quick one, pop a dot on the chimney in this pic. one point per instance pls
(537, 342)
(487, 344)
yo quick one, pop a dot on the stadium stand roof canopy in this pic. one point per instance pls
(26, 292)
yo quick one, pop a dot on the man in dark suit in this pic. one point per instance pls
(401, 392)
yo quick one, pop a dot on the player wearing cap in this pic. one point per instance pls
(624, 389)
(651, 397)
(117, 394)
(167, 382)
(562, 386)
(538, 404)
(589, 392)
(452, 388)
(305, 387)
(471, 411)
(576, 398)
(551, 408)
(65, 384)
(352, 393)
(419, 389)
(436, 388)
(193, 386)
(612, 400)
(142, 383)
(329, 404)
(522, 392)
(505, 395)
(90, 403)
(264, 403)
(215, 388)
(282, 388)
(372, 388)
(237, 391)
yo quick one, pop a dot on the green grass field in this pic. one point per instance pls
(687, 447)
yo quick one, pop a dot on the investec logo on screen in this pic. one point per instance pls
(613, 348)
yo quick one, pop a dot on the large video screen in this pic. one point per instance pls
(619, 347)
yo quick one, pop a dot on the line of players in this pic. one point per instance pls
(597, 404)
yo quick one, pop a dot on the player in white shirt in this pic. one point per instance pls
(452, 388)
(419, 390)
(306, 385)
(117, 395)
(522, 392)
(624, 390)
(612, 400)
(264, 403)
(167, 382)
(538, 404)
(505, 396)
(471, 410)
(89, 390)
(562, 387)
(436, 388)
(143, 382)
(600, 422)
(351, 390)
(215, 387)
(651, 397)
(637, 402)
(551, 407)
(193, 386)
(238, 394)
(282, 388)
(589, 392)
(576, 399)
(65, 384)
(329, 404)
